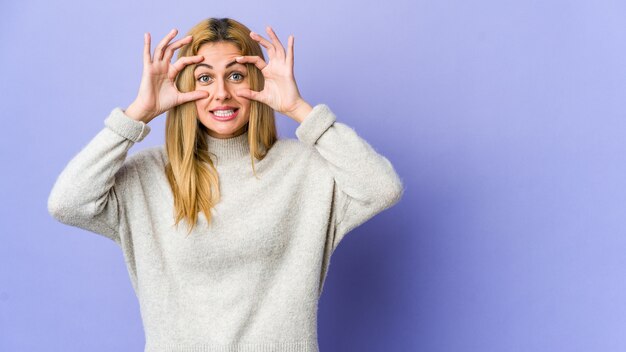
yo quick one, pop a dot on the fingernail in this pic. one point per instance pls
(239, 58)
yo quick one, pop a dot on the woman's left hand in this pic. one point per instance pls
(280, 91)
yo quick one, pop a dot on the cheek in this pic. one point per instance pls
(201, 105)
(201, 87)
(245, 103)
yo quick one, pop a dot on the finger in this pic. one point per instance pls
(191, 96)
(290, 50)
(169, 51)
(158, 52)
(250, 94)
(277, 44)
(262, 41)
(146, 49)
(182, 62)
(256, 60)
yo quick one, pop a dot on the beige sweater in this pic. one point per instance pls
(252, 279)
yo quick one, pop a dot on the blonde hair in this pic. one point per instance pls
(190, 171)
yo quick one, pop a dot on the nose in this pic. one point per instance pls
(221, 90)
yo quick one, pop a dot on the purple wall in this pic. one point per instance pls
(505, 119)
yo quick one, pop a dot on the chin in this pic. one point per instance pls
(225, 131)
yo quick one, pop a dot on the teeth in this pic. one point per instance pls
(223, 112)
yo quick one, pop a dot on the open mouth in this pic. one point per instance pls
(225, 114)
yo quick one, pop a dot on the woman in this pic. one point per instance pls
(263, 214)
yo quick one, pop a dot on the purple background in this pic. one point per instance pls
(505, 119)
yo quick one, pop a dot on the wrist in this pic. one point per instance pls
(137, 114)
(301, 111)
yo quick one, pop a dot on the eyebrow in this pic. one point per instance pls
(211, 67)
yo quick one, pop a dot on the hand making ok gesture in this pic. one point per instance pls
(157, 91)
(280, 91)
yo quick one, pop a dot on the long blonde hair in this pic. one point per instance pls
(190, 171)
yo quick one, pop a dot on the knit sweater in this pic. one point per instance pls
(251, 279)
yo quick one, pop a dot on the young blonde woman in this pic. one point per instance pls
(263, 215)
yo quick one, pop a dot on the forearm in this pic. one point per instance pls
(81, 194)
(359, 171)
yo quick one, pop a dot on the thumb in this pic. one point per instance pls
(250, 94)
(195, 95)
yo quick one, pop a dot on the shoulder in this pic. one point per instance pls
(294, 148)
(292, 153)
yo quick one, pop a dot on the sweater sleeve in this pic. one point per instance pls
(366, 183)
(87, 194)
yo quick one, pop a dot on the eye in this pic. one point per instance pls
(203, 76)
(239, 75)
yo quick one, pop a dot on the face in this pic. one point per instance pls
(225, 114)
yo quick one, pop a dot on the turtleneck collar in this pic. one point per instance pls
(228, 149)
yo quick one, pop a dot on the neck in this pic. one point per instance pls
(228, 149)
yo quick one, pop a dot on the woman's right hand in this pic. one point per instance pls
(158, 92)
